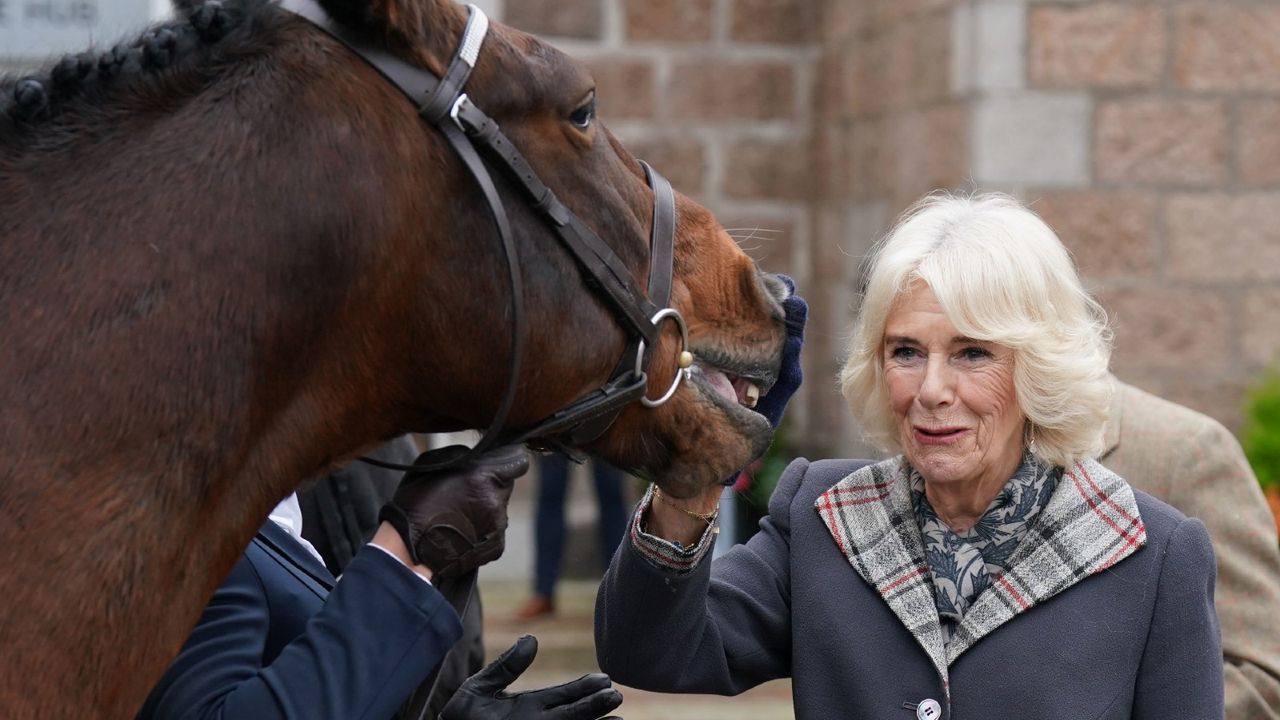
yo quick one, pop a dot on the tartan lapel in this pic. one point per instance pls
(1090, 524)
(869, 515)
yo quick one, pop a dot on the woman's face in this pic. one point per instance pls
(953, 397)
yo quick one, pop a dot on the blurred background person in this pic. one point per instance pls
(551, 527)
(1192, 462)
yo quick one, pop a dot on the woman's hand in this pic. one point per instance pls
(790, 373)
(682, 520)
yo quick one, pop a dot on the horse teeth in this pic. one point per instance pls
(753, 395)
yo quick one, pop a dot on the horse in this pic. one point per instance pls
(233, 256)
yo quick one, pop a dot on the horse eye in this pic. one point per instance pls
(581, 118)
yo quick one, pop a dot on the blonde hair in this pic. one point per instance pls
(1002, 276)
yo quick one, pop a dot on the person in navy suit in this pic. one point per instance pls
(282, 639)
(340, 514)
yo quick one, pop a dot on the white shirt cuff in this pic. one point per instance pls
(393, 557)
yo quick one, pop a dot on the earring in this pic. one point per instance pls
(1029, 437)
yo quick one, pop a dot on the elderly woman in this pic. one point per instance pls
(992, 569)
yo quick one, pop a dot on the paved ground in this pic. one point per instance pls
(566, 650)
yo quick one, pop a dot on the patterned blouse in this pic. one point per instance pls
(963, 565)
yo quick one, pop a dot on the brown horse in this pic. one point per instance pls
(231, 256)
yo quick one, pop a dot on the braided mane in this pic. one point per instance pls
(163, 60)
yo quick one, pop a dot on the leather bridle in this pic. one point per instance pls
(476, 137)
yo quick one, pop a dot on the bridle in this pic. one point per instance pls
(476, 137)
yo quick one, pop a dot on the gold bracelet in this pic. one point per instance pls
(707, 518)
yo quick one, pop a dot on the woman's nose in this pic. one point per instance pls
(937, 387)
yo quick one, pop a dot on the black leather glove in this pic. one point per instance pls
(482, 696)
(453, 520)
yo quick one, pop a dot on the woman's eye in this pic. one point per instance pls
(973, 354)
(582, 117)
(903, 353)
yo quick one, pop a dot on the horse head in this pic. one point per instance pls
(546, 103)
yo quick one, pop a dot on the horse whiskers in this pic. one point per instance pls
(742, 235)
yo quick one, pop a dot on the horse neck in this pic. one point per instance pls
(202, 325)
(190, 318)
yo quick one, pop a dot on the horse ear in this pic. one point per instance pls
(411, 22)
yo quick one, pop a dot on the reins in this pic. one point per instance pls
(475, 136)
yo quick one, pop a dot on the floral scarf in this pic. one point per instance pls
(963, 565)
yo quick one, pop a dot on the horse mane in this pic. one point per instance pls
(170, 59)
(177, 58)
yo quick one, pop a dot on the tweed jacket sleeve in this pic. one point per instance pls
(1223, 492)
(1196, 465)
(723, 627)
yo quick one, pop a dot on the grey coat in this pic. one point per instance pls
(1106, 611)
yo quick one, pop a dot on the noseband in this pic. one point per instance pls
(443, 103)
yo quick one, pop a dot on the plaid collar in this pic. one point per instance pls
(1089, 524)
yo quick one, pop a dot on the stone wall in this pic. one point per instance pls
(1177, 222)
(889, 128)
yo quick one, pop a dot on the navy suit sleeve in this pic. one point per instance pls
(379, 633)
(723, 627)
(1180, 674)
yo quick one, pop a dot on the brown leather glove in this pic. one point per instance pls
(454, 520)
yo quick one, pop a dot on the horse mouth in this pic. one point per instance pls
(734, 386)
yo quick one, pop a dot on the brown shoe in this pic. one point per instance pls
(537, 606)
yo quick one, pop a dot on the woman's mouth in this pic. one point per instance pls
(938, 435)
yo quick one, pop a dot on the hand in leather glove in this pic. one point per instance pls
(773, 403)
(454, 519)
(483, 696)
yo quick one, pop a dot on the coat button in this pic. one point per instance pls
(928, 709)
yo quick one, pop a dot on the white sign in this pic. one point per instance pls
(38, 29)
